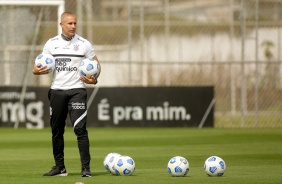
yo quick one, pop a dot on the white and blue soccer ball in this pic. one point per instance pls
(109, 160)
(44, 59)
(178, 166)
(214, 166)
(89, 67)
(112, 164)
(124, 166)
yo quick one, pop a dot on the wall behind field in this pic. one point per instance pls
(166, 43)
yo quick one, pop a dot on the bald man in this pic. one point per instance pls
(67, 94)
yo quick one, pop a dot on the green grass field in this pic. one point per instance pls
(251, 155)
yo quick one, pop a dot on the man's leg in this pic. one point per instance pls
(58, 112)
(78, 115)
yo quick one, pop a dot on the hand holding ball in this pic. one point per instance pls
(89, 67)
(44, 59)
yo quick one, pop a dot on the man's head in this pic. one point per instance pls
(68, 24)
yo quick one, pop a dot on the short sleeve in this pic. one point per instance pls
(90, 53)
(47, 46)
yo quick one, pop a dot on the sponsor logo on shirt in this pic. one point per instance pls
(61, 65)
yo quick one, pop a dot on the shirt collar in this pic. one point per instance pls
(66, 38)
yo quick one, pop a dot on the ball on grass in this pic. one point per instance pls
(214, 166)
(178, 166)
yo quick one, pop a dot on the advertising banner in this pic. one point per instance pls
(116, 107)
(32, 113)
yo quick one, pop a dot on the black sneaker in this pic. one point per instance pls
(85, 172)
(56, 171)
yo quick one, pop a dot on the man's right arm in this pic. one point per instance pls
(40, 70)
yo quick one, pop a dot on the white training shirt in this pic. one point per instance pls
(68, 55)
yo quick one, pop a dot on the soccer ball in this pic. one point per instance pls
(109, 160)
(178, 166)
(112, 163)
(124, 166)
(44, 59)
(89, 67)
(214, 166)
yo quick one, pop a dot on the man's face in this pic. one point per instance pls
(68, 25)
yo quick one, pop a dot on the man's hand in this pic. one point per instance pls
(91, 80)
(40, 70)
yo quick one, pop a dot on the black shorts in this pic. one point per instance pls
(64, 102)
